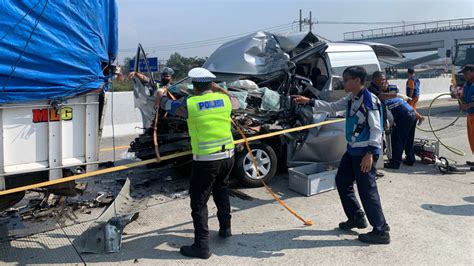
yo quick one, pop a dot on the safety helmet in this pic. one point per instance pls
(167, 70)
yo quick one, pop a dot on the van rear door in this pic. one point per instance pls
(386, 53)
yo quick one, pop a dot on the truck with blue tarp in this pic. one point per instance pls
(56, 62)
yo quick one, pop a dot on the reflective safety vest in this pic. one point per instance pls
(209, 123)
(357, 126)
(468, 96)
(159, 86)
(416, 92)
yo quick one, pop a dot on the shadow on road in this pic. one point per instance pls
(458, 210)
(164, 244)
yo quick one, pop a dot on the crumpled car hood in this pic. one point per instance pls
(293, 42)
(253, 55)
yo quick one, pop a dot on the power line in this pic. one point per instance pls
(212, 41)
(276, 29)
(231, 36)
(198, 44)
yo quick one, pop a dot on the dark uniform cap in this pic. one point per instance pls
(167, 70)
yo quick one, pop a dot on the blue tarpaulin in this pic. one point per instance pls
(54, 49)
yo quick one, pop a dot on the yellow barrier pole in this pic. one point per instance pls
(164, 158)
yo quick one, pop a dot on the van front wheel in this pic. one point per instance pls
(245, 170)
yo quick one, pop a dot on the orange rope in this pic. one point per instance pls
(308, 222)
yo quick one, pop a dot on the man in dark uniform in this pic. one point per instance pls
(208, 114)
(403, 133)
(377, 87)
(364, 137)
(166, 75)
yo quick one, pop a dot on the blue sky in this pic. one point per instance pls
(163, 23)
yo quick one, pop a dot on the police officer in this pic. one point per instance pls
(403, 132)
(468, 105)
(165, 80)
(209, 125)
(364, 137)
(166, 77)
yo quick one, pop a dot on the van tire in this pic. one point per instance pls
(266, 159)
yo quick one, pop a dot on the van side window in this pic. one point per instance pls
(337, 71)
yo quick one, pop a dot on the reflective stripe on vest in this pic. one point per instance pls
(358, 134)
(209, 123)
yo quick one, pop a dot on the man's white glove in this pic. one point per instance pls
(404, 97)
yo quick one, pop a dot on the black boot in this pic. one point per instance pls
(359, 221)
(195, 252)
(375, 238)
(391, 165)
(224, 230)
(224, 233)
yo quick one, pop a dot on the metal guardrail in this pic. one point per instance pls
(412, 29)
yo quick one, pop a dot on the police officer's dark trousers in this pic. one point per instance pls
(207, 177)
(348, 172)
(402, 137)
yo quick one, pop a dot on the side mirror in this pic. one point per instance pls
(448, 53)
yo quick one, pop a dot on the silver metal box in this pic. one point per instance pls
(312, 178)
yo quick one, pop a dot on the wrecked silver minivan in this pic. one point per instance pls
(262, 70)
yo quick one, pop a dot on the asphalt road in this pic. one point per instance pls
(430, 214)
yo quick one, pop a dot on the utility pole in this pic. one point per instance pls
(301, 20)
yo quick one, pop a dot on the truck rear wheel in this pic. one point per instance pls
(9, 200)
(266, 160)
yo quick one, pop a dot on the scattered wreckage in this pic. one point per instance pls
(263, 70)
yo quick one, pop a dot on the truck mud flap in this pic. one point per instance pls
(105, 234)
(7, 201)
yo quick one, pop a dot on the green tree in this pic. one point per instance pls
(181, 65)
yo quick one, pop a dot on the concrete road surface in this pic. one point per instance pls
(431, 217)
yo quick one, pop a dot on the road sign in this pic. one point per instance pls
(152, 61)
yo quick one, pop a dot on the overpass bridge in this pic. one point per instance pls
(436, 36)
